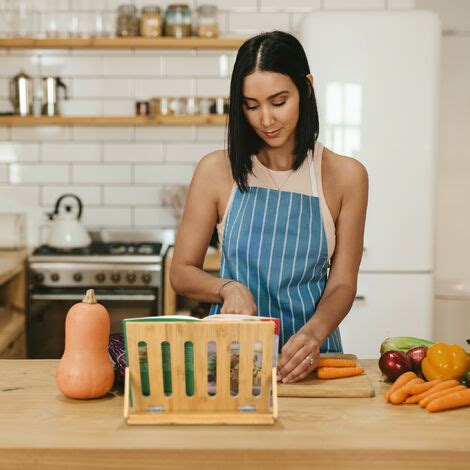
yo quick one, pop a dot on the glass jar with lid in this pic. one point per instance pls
(178, 20)
(207, 21)
(151, 22)
(127, 21)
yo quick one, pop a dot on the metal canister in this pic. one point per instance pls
(21, 94)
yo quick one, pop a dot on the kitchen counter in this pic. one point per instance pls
(42, 429)
(12, 263)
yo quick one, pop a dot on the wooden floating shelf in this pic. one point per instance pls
(122, 43)
(200, 120)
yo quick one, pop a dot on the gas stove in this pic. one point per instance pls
(100, 264)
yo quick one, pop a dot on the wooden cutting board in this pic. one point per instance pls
(347, 387)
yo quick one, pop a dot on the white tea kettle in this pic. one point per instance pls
(66, 230)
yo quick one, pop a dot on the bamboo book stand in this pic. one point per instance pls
(158, 407)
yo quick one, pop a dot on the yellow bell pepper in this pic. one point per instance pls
(445, 361)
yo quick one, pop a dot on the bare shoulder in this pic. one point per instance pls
(345, 171)
(215, 165)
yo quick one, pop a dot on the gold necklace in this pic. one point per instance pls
(272, 179)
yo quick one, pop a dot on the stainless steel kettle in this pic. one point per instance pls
(50, 95)
(21, 94)
(66, 230)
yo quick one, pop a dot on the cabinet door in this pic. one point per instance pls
(377, 102)
(387, 305)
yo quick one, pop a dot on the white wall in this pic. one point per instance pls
(120, 171)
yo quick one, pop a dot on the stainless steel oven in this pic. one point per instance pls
(127, 279)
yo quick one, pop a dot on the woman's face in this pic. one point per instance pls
(271, 106)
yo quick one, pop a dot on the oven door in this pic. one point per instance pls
(47, 310)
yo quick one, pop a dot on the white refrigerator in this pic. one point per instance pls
(376, 83)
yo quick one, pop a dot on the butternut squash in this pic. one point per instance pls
(85, 369)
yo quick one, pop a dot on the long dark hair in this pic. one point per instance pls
(282, 53)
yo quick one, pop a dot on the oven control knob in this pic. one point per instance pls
(77, 277)
(39, 278)
(55, 277)
(100, 277)
(131, 277)
(147, 277)
(115, 277)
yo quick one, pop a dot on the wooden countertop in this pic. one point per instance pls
(41, 429)
(11, 263)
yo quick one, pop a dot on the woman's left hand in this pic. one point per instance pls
(299, 357)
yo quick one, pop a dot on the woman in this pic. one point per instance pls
(286, 209)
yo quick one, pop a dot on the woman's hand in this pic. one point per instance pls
(237, 299)
(299, 357)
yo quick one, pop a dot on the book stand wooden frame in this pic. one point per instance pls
(200, 408)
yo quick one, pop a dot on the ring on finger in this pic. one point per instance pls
(310, 360)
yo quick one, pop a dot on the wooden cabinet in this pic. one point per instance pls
(391, 304)
(12, 305)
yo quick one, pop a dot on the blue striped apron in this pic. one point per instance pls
(274, 243)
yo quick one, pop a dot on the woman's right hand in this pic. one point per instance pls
(237, 299)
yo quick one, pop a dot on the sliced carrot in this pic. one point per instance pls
(426, 400)
(401, 394)
(402, 380)
(325, 362)
(424, 387)
(451, 401)
(338, 372)
(437, 388)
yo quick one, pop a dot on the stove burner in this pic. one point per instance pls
(97, 248)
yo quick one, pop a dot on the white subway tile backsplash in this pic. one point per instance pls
(234, 5)
(146, 88)
(40, 173)
(213, 87)
(134, 152)
(112, 134)
(51, 5)
(134, 195)
(198, 66)
(10, 66)
(4, 133)
(13, 152)
(87, 5)
(89, 195)
(4, 87)
(163, 174)
(248, 23)
(81, 108)
(401, 4)
(101, 174)
(40, 133)
(292, 5)
(22, 195)
(154, 217)
(98, 87)
(70, 66)
(165, 133)
(107, 216)
(135, 66)
(71, 152)
(117, 107)
(211, 133)
(353, 4)
(3, 173)
(193, 152)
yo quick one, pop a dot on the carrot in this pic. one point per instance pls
(424, 387)
(338, 372)
(401, 394)
(448, 402)
(437, 388)
(426, 400)
(402, 380)
(325, 362)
